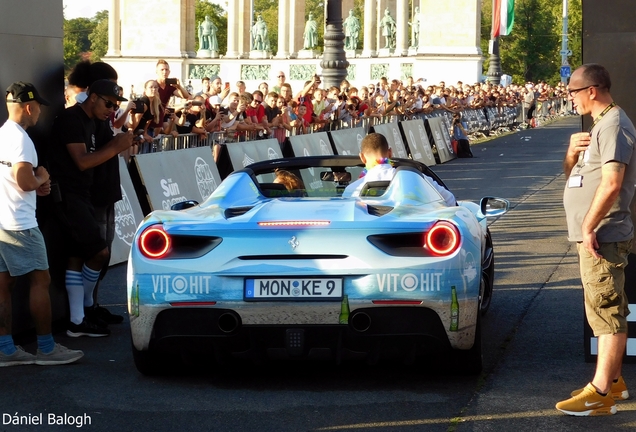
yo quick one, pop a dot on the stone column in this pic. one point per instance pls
(462, 16)
(244, 25)
(232, 29)
(189, 28)
(403, 29)
(370, 29)
(297, 26)
(283, 29)
(449, 55)
(347, 5)
(114, 30)
(379, 13)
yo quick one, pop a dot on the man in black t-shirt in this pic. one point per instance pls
(73, 159)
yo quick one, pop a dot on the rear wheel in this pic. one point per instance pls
(487, 276)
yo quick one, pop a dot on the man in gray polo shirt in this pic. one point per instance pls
(600, 166)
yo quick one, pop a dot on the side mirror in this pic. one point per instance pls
(492, 207)
(184, 205)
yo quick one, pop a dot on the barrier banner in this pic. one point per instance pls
(414, 133)
(176, 176)
(441, 139)
(347, 141)
(246, 153)
(391, 132)
(315, 144)
(128, 215)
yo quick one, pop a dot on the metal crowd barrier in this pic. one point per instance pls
(479, 121)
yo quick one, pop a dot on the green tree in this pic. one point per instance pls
(99, 36)
(218, 16)
(75, 40)
(531, 52)
(528, 53)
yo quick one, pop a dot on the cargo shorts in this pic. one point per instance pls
(606, 304)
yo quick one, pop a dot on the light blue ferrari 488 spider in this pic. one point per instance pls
(262, 270)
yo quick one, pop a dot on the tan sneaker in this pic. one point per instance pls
(619, 390)
(59, 356)
(19, 357)
(588, 403)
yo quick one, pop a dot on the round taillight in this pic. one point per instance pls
(154, 242)
(443, 238)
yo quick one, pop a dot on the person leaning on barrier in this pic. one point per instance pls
(72, 161)
(285, 117)
(148, 118)
(190, 117)
(22, 247)
(206, 88)
(165, 90)
(286, 92)
(272, 113)
(304, 97)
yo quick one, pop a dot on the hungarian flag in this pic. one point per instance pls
(503, 17)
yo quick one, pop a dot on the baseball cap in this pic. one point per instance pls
(105, 88)
(24, 92)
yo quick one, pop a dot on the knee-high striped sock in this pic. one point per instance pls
(75, 290)
(89, 280)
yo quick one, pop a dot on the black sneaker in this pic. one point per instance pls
(105, 315)
(92, 316)
(86, 328)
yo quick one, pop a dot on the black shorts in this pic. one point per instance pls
(79, 225)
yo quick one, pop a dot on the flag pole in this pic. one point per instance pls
(494, 62)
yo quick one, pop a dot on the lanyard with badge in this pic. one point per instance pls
(576, 179)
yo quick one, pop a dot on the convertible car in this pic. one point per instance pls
(261, 270)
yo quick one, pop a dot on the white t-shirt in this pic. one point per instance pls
(17, 211)
(385, 172)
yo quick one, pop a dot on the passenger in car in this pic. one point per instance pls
(375, 154)
(292, 183)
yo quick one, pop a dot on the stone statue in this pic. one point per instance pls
(260, 41)
(415, 28)
(351, 27)
(388, 29)
(311, 33)
(207, 35)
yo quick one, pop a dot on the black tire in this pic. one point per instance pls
(151, 363)
(468, 362)
(487, 276)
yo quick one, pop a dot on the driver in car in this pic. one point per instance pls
(375, 154)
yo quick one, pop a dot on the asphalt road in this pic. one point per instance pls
(533, 343)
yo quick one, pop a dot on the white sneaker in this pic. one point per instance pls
(59, 356)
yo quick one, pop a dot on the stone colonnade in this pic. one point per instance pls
(448, 49)
(291, 23)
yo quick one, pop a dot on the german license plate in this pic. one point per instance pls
(293, 289)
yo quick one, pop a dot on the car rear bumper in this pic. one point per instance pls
(371, 332)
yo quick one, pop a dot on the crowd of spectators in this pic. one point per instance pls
(167, 107)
